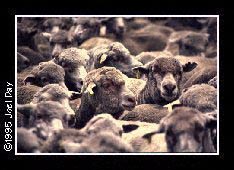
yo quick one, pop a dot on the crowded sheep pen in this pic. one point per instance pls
(117, 84)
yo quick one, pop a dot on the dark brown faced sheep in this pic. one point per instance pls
(113, 55)
(46, 73)
(104, 91)
(164, 76)
(187, 130)
(74, 62)
(46, 117)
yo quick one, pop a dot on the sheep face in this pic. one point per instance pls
(116, 55)
(46, 73)
(116, 26)
(110, 94)
(164, 75)
(187, 130)
(193, 44)
(58, 42)
(45, 117)
(85, 28)
(73, 61)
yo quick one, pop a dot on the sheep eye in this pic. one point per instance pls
(69, 70)
(39, 117)
(106, 85)
(52, 43)
(43, 79)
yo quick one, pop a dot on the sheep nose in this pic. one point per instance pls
(129, 102)
(26, 63)
(169, 88)
(80, 83)
(130, 99)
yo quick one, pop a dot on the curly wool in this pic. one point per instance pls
(202, 97)
(73, 57)
(52, 71)
(98, 75)
(26, 93)
(54, 90)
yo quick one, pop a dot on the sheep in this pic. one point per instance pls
(105, 142)
(95, 41)
(24, 33)
(134, 136)
(204, 75)
(145, 113)
(85, 28)
(54, 92)
(213, 82)
(22, 75)
(33, 56)
(187, 43)
(104, 91)
(73, 61)
(26, 93)
(22, 62)
(46, 73)
(200, 96)
(101, 134)
(151, 37)
(74, 141)
(27, 142)
(186, 23)
(42, 45)
(186, 130)
(164, 76)
(135, 85)
(205, 70)
(58, 40)
(103, 123)
(45, 117)
(113, 55)
(115, 25)
(146, 57)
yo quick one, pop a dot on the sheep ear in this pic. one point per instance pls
(26, 109)
(103, 58)
(189, 66)
(141, 70)
(29, 79)
(90, 88)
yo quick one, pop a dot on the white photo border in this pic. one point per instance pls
(134, 153)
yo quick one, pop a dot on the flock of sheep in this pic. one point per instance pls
(122, 84)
